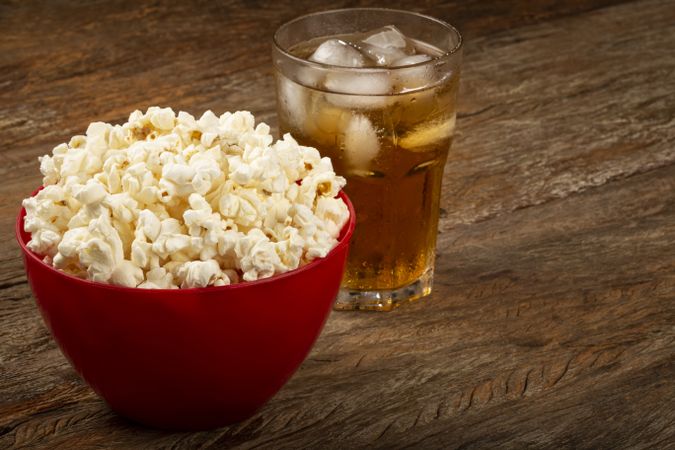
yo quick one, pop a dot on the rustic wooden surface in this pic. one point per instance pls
(552, 324)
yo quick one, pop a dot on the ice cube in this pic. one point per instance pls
(361, 144)
(427, 134)
(364, 83)
(293, 100)
(410, 60)
(383, 56)
(338, 53)
(358, 90)
(386, 45)
(326, 123)
(308, 76)
(387, 37)
(329, 119)
(362, 102)
(412, 78)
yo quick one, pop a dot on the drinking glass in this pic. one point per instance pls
(388, 131)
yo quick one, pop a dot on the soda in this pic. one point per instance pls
(388, 132)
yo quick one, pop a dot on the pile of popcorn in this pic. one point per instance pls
(168, 201)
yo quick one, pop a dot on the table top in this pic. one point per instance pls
(552, 321)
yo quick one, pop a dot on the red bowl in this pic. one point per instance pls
(188, 358)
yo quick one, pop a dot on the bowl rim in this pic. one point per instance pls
(343, 241)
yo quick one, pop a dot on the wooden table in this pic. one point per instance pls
(552, 322)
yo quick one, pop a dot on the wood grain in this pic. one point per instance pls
(552, 323)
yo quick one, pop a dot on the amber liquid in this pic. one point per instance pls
(396, 223)
(395, 193)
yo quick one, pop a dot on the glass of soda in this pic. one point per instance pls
(375, 90)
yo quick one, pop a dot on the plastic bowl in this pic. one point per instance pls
(188, 358)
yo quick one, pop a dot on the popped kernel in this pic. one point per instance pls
(167, 201)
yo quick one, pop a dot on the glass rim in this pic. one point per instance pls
(445, 56)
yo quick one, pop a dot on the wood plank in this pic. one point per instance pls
(519, 344)
(603, 110)
(552, 320)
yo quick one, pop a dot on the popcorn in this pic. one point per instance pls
(126, 273)
(99, 250)
(149, 224)
(201, 274)
(171, 239)
(90, 193)
(148, 227)
(162, 118)
(167, 201)
(258, 256)
(158, 278)
(46, 215)
(332, 215)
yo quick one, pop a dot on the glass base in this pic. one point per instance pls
(385, 299)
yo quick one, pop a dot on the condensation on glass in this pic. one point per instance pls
(375, 90)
